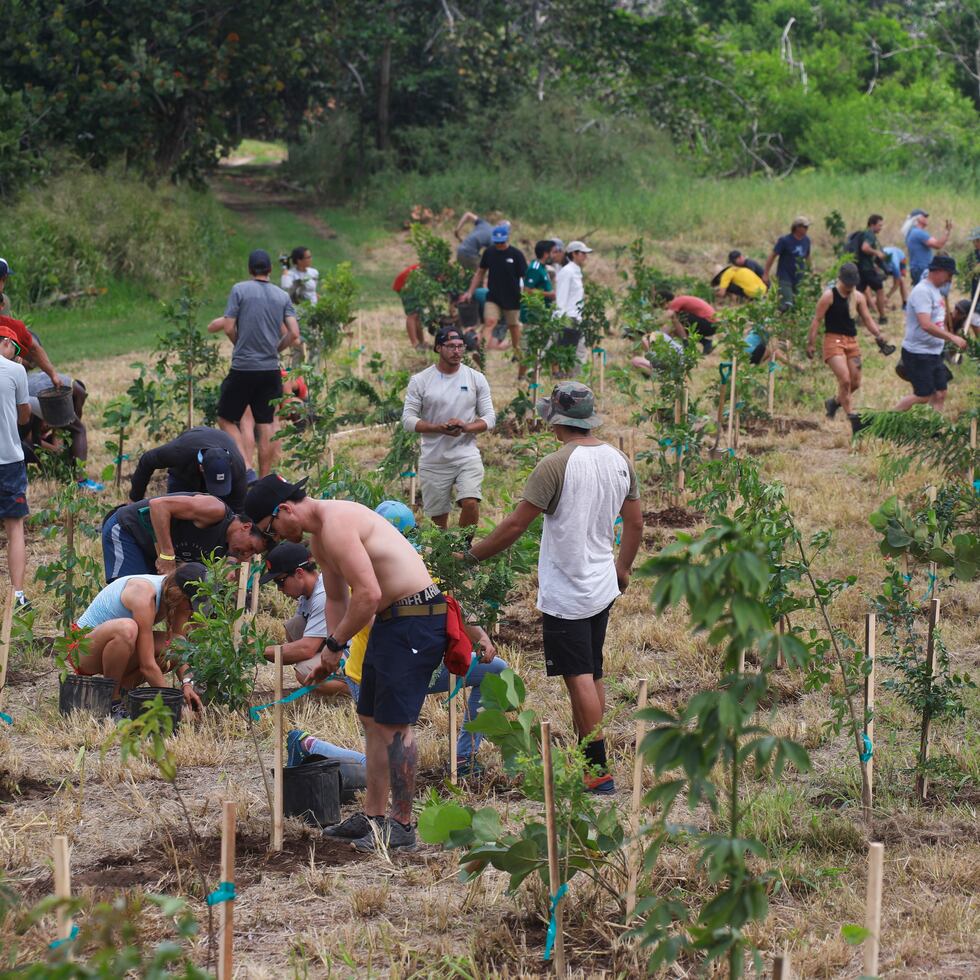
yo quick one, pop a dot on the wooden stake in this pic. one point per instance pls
(412, 484)
(330, 458)
(781, 966)
(602, 375)
(780, 659)
(554, 878)
(870, 627)
(931, 494)
(243, 571)
(453, 732)
(5, 628)
(922, 780)
(277, 756)
(632, 445)
(970, 474)
(226, 914)
(636, 852)
(735, 432)
(254, 606)
(360, 350)
(872, 914)
(622, 445)
(771, 391)
(190, 404)
(731, 403)
(62, 884)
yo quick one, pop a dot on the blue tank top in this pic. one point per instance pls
(108, 603)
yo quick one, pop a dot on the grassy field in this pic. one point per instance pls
(318, 910)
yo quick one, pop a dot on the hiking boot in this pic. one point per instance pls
(831, 405)
(356, 825)
(856, 423)
(391, 833)
(883, 321)
(601, 785)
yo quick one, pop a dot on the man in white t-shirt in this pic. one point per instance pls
(581, 489)
(448, 404)
(15, 408)
(292, 568)
(926, 336)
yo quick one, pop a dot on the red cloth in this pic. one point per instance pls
(399, 284)
(24, 337)
(692, 305)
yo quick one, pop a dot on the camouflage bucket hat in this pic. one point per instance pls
(570, 404)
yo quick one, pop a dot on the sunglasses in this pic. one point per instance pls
(268, 532)
(14, 344)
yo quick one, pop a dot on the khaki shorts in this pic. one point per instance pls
(493, 312)
(438, 481)
(837, 345)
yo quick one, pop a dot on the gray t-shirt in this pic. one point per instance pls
(314, 612)
(13, 392)
(259, 307)
(924, 298)
(477, 240)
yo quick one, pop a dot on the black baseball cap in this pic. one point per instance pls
(188, 577)
(445, 333)
(259, 261)
(265, 495)
(284, 559)
(943, 263)
(216, 466)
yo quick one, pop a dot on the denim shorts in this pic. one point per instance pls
(13, 489)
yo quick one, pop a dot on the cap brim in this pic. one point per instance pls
(268, 577)
(217, 489)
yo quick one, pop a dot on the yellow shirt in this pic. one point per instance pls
(355, 658)
(745, 279)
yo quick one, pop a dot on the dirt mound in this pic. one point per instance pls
(779, 424)
(16, 789)
(672, 517)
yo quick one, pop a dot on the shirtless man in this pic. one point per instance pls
(369, 570)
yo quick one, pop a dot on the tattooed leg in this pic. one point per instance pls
(403, 757)
(376, 795)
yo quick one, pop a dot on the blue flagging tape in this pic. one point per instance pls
(461, 682)
(300, 692)
(868, 750)
(70, 938)
(225, 892)
(553, 900)
(6, 718)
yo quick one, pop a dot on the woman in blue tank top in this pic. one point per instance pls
(122, 643)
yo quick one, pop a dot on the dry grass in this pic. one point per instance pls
(319, 911)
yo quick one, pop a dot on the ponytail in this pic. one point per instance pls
(171, 598)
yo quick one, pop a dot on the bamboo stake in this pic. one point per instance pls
(453, 732)
(922, 780)
(872, 915)
(636, 853)
(781, 969)
(554, 877)
(771, 391)
(277, 756)
(62, 885)
(970, 474)
(731, 402)
(226, 921)
(870, 626)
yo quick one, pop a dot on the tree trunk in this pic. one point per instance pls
(384, 96)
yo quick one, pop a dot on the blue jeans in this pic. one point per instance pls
(468, 742)
(328, 750)
(121, 554)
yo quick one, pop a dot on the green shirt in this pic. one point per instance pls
(536, 278)
(865, 261)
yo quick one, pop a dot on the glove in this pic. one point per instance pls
(884, 346)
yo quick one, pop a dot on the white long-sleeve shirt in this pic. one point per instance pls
(569, 291)
(433, 396)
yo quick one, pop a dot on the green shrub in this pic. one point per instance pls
(81, 229)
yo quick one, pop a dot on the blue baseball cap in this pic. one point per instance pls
(397, 514)
(5, 269)
(500, 234)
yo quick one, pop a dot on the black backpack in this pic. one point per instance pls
(853, 244)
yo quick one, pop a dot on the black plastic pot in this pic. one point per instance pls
(91, 694)
(469, 314)
(57, 406)
(353, 777)
(172, 698)
(311, 791)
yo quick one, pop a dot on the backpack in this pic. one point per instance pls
(853, 244)
(459, 647)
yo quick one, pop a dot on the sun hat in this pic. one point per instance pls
(265, 495)
(500, 234)
(577, 246)
(848, 274)
(396, 513)
(284, 559)
(188, 576)
(216, 466)
(943, 263)
(800, 219)
(259, 261)
(570, 404)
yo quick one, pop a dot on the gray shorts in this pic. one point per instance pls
(467, 260)
(439, 480)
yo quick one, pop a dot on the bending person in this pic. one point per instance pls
(123, 644)
(838, 309)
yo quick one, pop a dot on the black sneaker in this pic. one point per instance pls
(117, 711)
(353, 827)
(22, 604)
(856, 423)
(706, 346)
(390, 833)
(831, 405)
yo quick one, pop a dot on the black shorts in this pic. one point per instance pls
(870, 278)
(402, 654)
(13, 489)
(574, 646)
(258, 390)
(758, 353)
(926, 372)
(704, 328)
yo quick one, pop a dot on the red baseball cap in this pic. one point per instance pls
(10, 335)
(19, 332)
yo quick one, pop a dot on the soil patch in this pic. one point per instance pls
(515, 633)
(16, 789)
(779, 424)
(672, 517)
(514, 429)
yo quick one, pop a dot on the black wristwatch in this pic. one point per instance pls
(334, 647)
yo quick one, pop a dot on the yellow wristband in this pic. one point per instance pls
(164, 557)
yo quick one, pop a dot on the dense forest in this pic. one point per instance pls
(367, 86)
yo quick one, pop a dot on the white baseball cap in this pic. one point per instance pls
(577, 246)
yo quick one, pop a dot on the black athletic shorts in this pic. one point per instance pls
(758, 353)
(258, 390)
(703, 327)
(870, 278)
(402, 654)
(574, 646)
(926, 372)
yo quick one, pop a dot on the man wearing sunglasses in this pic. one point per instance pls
(448, 404)
(369, 569)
